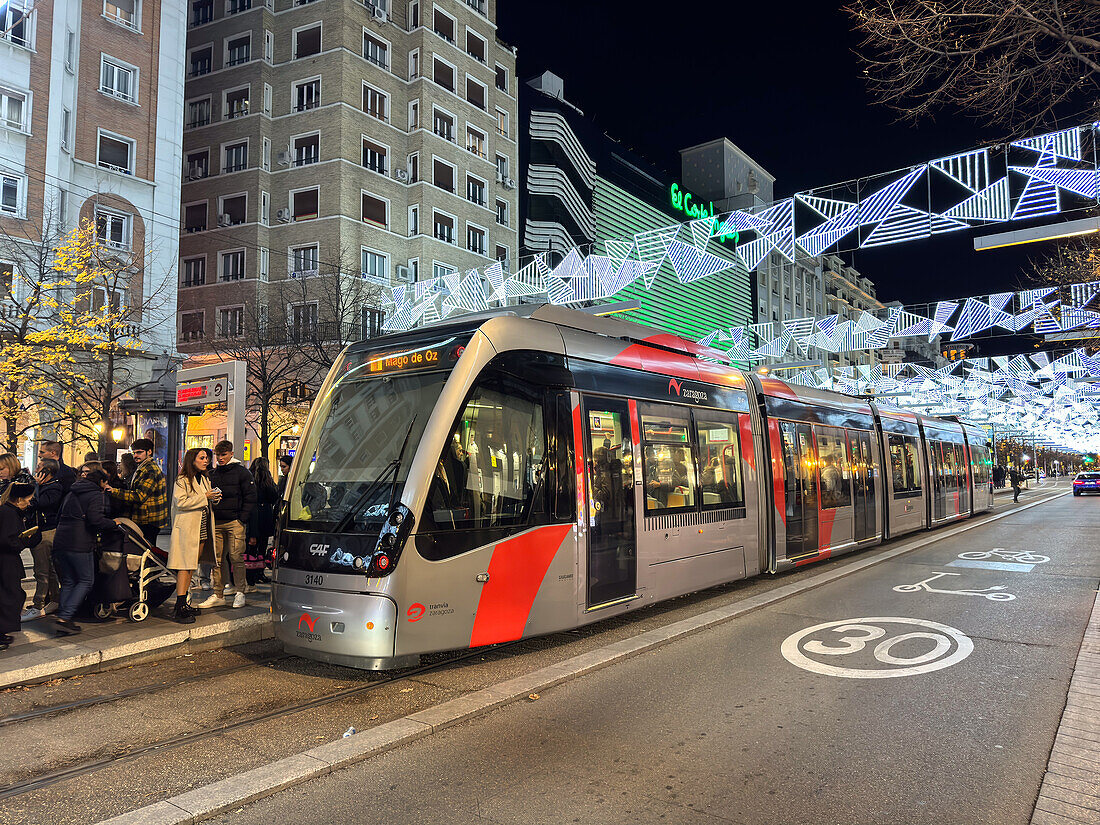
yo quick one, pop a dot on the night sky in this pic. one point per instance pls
(781, 81)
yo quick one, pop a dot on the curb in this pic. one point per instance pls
(218, 797)
(71, 658)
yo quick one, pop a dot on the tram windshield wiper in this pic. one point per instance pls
(394, 467)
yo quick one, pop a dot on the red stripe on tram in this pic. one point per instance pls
(778, 488)
(516, 571)
(748, 454)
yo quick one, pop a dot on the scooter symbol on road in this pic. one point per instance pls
(994, 594)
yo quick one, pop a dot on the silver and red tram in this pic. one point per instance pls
(537, 469)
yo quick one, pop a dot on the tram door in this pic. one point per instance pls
(612, 537)
(863, 476)
(800, 481)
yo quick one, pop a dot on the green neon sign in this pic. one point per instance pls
(683, 201)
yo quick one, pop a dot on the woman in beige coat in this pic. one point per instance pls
(192, 527)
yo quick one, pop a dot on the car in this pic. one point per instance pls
(1086, 483)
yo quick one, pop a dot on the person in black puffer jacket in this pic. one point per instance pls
(231, 514)
(46, 504)
(82, 518)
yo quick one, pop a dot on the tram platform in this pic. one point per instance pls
(37, 654)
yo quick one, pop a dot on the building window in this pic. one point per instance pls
(304, 261)
(267, 99)
(376, 103)
(502, 168)
(502, 212)
(194, 271)
(265, 263)
(232, 265)
(502, 122)
(475, 239)
(265, 208)
(476, 93)
(236, 157)
(376, 51)
(307, 94)
(502, 78)
(375, 210)
(443, 175)
(476, 46)
(265, 154)
(414, 114)
(444, 26)
(414, 221)
(200, 62)
(202, 11)
(269, 46)
(307, 41)
(303, 320)
(15, 23)
(112, 229)
(11, 196)
(14, 110)
(414, 15)
(195, 216)
(198, 112)
(414, 64)
(231, 321)
(237, 6)
(442, 270)
(304, 204)
(117, 80)
(372, 322)
(236, 103)
(501, 254)
(476, 142)
(444, 75)
(444, 227)
(412, 164)
(475, 190)
(307, 150)
(192, 326)
(443, 125)
(123, 12)
(375, 266)
(66, 128)
(374, 156)
(232, 209)
(70, 52)
(116, 153)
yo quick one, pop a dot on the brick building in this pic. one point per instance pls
(337, 139)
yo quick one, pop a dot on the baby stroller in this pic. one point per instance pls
(146, 566)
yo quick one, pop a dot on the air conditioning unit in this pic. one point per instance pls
(195, 172)
(283, 215)
(500, 178)
(379, 13)
(404, 274)
(509, 183)
(284, 157)
(225, 220)
(402, 175)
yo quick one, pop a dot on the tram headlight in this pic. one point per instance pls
(389, 540)
(396, 518)
(359, 563)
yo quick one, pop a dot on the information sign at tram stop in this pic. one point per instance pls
(201, 393)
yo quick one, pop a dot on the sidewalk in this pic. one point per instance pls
(37, 654)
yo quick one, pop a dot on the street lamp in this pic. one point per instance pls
(117, 434)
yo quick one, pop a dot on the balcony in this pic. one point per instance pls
(238, 59)
(199, 121)
(444, 133)
(306, 105)
(445, 236)
(236, 111)
(199, 69)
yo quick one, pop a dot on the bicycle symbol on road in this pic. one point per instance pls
(1018, 556)
(930, 646)
(994, 594)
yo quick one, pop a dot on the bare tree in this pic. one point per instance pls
(1076, 262)
(275, 362)
(1018, 64)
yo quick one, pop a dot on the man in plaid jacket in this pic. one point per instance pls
(147, 493)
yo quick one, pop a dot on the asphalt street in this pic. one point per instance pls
(856, 702)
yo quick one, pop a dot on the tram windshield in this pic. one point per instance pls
(356, 436)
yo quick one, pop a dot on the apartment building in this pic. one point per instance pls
(91, 114)
(848, 294)
(373, 140)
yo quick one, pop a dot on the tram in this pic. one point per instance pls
(535, 469)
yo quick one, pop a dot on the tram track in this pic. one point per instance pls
(129, 693)
(83, 768)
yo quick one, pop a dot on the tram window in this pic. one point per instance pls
(833, 464)
(720, 462)
(670, 480)
(904, 465)
(950, 471)
(491, 471)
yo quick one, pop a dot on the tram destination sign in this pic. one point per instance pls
(434, 355)
(201, 393)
